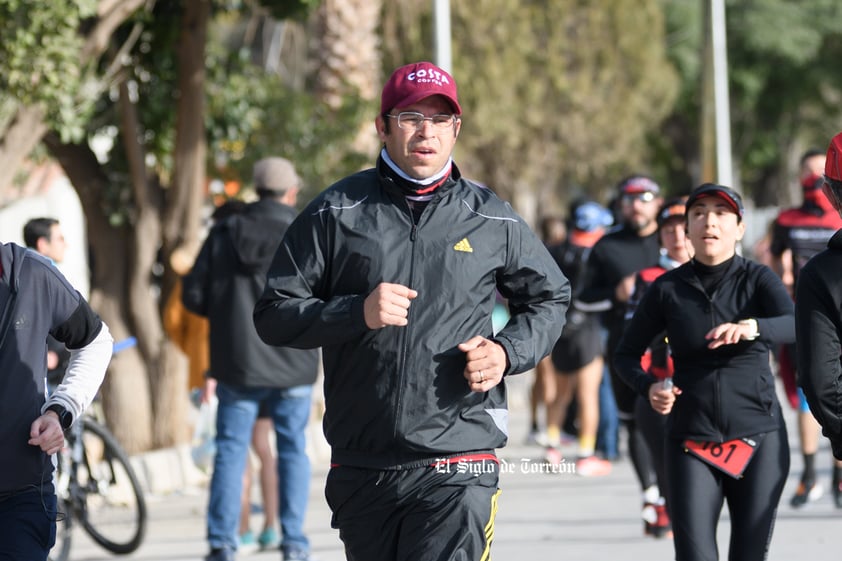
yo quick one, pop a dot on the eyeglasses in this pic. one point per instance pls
(645, 197)
(412, 121)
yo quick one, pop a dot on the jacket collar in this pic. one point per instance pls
(688, 275)
(393, 189)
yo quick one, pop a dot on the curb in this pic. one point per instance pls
(172, 470)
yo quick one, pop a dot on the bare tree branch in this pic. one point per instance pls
(131, 134)
(112, 14)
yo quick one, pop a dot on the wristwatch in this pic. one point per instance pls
(64, 416)
(752, 324)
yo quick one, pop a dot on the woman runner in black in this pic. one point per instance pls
(726, 438)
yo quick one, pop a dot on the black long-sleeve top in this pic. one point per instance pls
(727, 392)
(615, 256)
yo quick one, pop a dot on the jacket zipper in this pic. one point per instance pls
(717, 378)
(716, 381)
(716, 385)
(413, 235)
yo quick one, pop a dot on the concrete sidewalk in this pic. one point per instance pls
(541, 516)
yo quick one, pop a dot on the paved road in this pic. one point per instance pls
(542, 516)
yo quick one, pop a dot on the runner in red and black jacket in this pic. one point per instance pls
(817, 320)
(819, 331)
(798, 234)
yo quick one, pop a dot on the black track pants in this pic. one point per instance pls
(697, 493)
(423, 514)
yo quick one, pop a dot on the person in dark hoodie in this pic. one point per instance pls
(224, 284)
(818, 324)
(36, 301)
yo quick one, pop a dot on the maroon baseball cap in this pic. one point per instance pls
(411, 83)
(833, 164)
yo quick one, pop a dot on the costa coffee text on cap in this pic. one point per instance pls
(413, 82)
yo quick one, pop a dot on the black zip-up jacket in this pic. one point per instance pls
(728, 392)
(616, 255)
(396, 396)
(224, 284)
(818, 325)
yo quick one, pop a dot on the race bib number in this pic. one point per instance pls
(730, 457)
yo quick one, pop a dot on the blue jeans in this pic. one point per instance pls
(607, 432)
(235, 419)
(28, 524)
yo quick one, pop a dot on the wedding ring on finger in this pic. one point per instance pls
(481, 377)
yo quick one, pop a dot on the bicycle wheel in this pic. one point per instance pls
(112, 509)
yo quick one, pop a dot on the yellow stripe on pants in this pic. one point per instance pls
(489, 528)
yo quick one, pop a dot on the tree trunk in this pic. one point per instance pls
(27, 128)
(125, 392)
(169, 398)
(182, 221)
(181, 218)
(348, 54)
(19, 138)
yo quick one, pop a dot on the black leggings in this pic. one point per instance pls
(698, 490)
(641, 457)
(652, 427)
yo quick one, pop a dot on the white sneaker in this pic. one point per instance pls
(537, 438)
(246, 544)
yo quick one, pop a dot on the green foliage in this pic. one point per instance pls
(151, 72)
(279, 9)
(252, 114)
(779, 77)
(406, 32)
(290, 9)
(559, 95)
(40, 60)
(784, 87)
(249, 113)
(783, 29)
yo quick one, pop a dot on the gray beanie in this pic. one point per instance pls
(275, 174)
